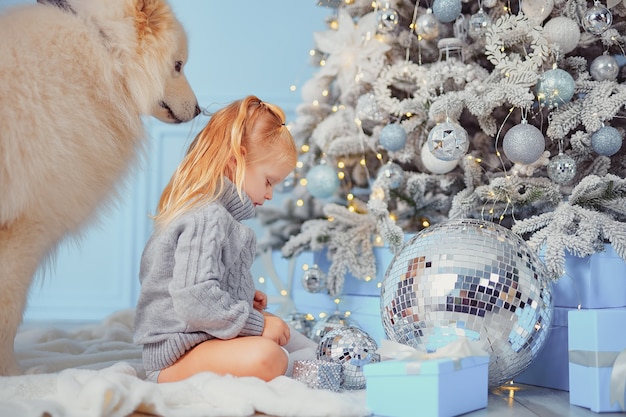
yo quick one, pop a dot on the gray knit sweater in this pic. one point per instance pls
(196, 283)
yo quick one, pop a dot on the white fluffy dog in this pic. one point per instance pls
(75, 78)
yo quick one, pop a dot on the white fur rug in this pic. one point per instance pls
(96, 371)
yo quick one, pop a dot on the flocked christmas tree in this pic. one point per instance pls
(507, 111)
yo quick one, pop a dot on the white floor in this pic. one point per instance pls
(520, 400)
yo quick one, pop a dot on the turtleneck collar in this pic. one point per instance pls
(240, 210)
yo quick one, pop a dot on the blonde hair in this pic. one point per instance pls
(245, 131)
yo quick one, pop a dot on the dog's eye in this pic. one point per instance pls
(178, 66)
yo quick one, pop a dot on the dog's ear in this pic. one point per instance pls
(61, 4)
(152, 16)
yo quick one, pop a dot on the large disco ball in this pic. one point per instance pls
(469, 278)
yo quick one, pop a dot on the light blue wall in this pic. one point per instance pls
(236, 48)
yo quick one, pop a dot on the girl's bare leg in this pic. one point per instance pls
(255, 356)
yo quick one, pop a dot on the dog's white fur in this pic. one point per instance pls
(75, 78)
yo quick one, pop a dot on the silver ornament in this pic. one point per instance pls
(368, 111)
(478, 24)
(606, 141)
(469, 278)
(314, 279)
(447, 11)
(562, 168)
(353, 349)
(302, 322)
(523, 143)
(329, 323)
(604, 68)
(597, 19)
(388, 20)
(392, 174)
(448, 141)
(427, 25)
(555, 87)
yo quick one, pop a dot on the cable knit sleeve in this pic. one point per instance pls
(199, 290)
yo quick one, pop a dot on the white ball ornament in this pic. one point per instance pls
(448, 141)
(447, 11)
(537, 9)
(555, 87)
(392, 137)
(322, 181)
(434, 164)
(523, 143)
(604, 68)
(563, 33)
(606, 141)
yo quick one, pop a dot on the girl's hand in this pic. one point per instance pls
(260, 300)
(276, 329)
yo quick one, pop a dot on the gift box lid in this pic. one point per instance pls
(597, 329)
(422, 367)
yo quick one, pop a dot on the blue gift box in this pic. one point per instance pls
(435, 387)
(596, 337)
(550, 369)
(596, 281)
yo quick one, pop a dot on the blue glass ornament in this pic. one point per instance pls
(555, 87)
(392, 137)
(606, 141)
(393, 174)
(478, 24)
(524, 143)
(447, 11)
(322, 181)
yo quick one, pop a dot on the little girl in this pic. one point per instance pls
(198, 309)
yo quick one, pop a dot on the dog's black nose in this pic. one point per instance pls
(197, 111)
